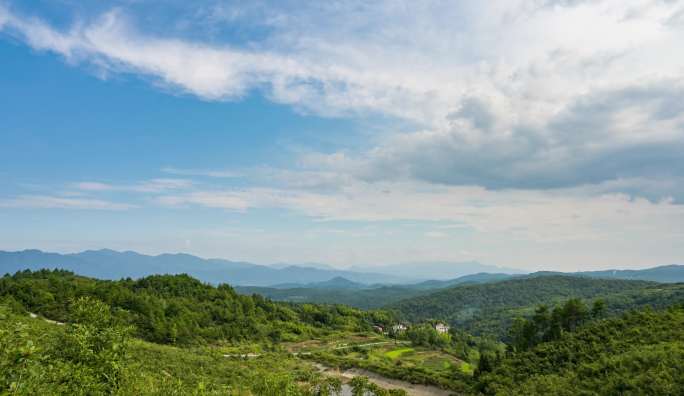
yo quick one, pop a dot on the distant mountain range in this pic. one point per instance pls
(663, 274)
(337, 282)
(343, 291)
(110, 264)
(438, 270)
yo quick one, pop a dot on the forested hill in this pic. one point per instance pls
(178, 309)
(641, 353)
(476, 307)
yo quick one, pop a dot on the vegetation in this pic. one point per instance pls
(371, 298)
(97, 356)
(177, 309)
(639, 353)
(166, 335)
(549, 325)
(489, 309)
(364, 297)
(418, 365)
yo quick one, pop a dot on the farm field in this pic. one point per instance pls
(393, 359)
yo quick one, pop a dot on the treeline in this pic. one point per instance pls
(639, 353)
(549, 325)
(178, 309)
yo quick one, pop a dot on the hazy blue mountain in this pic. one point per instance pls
(307, 265)
(440, 270)
(482, 277)
(344, 291)
(337, 282)
(110, 264)
(665, 274)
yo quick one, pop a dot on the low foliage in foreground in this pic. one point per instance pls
(96, 356)
(180, 310)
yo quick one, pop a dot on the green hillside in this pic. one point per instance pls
(489, 308)
(640, 353)
(177, 309)
(359, 298)
(99, 357)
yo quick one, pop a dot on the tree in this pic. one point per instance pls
(96, 345)
(598, 309)
(517, 334)
(485, 365)
(573, 313)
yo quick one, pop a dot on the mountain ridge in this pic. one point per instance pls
(110, 264)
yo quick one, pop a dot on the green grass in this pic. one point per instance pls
(394, 354)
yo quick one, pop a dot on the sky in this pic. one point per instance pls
(535, 134)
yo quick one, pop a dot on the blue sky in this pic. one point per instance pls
(347, 133)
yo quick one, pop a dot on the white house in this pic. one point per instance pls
(398, 328)
(442, 328)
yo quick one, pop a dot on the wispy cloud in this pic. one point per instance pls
(55, 202)
(531, 215)
(147, 186)
(228, 174)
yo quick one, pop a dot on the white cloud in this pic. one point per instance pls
(221, 200)
(532, 121)
(147, 186)
(527, 215)
(545, 94)
(436, 234)
(228, 174)
(53, 202)
(93, 186)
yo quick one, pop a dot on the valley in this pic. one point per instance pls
(184, 332)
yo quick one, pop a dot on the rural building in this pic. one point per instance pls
(442, 328)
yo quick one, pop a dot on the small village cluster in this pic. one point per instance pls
(440, 327)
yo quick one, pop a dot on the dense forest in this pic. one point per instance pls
(489, 309)
(178, 309)
(360, 298)
(639, 353)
